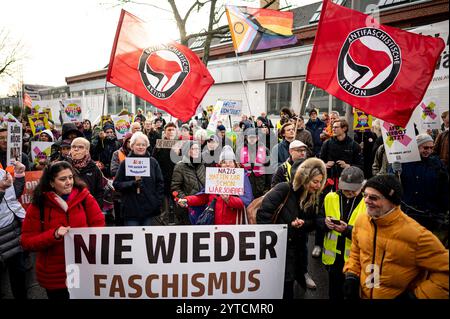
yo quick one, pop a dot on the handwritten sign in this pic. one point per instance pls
(233, 108)
(14, 151)
(137, 166)
(226, 181)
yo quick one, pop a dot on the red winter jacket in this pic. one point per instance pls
(225, 213)
(83, 211)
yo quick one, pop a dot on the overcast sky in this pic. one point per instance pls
(69, 37)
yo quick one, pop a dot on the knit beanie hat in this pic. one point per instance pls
(423, 138)
(227, 154)
(388, 185)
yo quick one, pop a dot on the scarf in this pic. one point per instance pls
(81, 163)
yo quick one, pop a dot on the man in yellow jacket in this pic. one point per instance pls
(392, 256)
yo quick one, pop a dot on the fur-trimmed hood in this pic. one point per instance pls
(304, 170)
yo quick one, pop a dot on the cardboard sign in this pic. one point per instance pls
(31, 180)
(201, 262)
(161, 143)
(121, 125)
(224, 181)
(137, 166)
(72, 111)
(38, 123)
(233, 108)
(400, 143)
(361, 121)
(14, 150)
(40, 151)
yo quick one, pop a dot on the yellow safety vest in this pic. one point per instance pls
(288, 167)
(332, 209)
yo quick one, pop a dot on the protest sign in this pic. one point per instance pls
(160, 143)
(71, 110)
(219, 261)
(137, 166)
(31, 180)
(38, 123)
(361, 121)
(427, 114)
(40, 151)
(224, 180)
(121, 125)
(400, 143)
(233, 108)
(14, 150)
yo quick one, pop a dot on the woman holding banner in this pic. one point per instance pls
(295, 204)
(60, 201)
(142, 196)
(229, 209)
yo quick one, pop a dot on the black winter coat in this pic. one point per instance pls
(148, 202)
(93, 177)
(296, 241)
(347, 150)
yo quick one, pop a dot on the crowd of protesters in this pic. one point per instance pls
(311, 172)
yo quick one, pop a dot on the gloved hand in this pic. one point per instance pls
(351, 287)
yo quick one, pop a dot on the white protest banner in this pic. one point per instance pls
(439, 86)
(72, 110)
(40, 151)
(137, 166)
(233, 108)
(427, 114)
(400, 143)
(223, 180)
(14, 151)
(121, 125)
(214, 261)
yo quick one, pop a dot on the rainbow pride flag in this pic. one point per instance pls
(257, 29)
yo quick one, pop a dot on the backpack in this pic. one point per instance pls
(252, 208)
(256, 204)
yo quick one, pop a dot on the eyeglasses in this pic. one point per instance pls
(77, 147)
(372, 198)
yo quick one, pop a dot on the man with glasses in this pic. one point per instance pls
(297, 152)
(340, 152)
(426, 189)
(392, 256)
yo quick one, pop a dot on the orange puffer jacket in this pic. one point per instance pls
(406, 256)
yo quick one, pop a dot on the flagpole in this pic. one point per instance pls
(103, 107)
(243, 84)
(301, 103)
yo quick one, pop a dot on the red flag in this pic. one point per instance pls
(381, 70)
(27, 101)
(169, 76)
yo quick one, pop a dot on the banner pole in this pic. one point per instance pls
(104, 99)
(243, 84)
(301, 103)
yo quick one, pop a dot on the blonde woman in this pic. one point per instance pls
(297, 206)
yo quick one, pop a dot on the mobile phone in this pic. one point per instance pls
(335, 221)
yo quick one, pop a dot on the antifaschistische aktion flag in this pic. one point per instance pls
(381, 70)
(258, 29)
(169, 76)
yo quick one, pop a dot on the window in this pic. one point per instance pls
(118, 99)
(279, 95)
(316, 98)
(316, 15)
